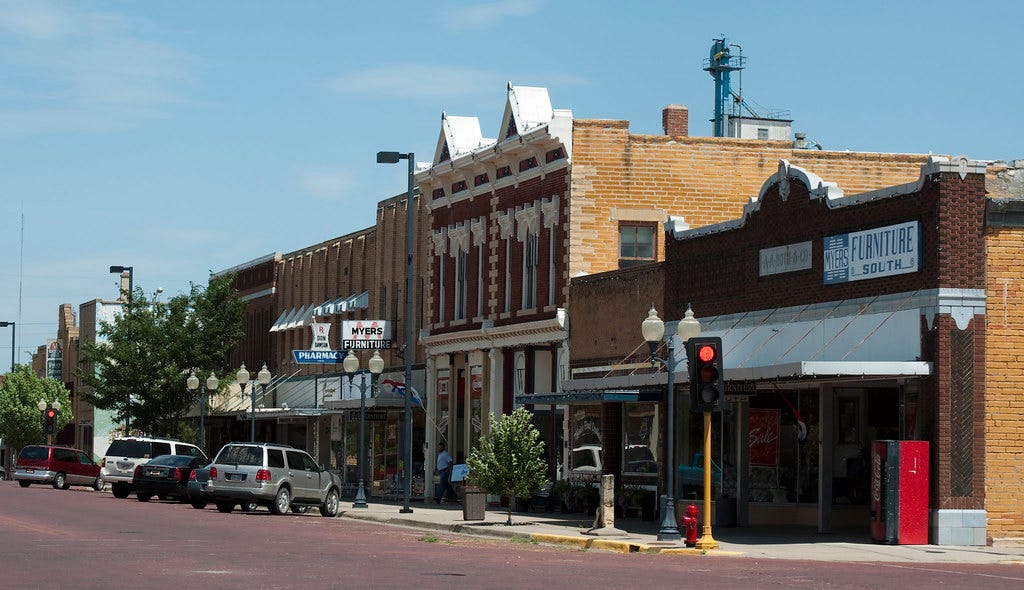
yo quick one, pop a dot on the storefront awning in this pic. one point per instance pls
(299, 317)
(590, 396)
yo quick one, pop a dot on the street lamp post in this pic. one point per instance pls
(653, 329)
(351, 365)
(212, 383)
(13, 327)
(263, 377)
(43, 405)
(118, 269)
(393, 158)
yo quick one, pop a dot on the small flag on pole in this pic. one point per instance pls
(400, 388)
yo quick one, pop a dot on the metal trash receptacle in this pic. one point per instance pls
(474, 504)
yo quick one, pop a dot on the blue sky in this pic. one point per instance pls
(184, 137)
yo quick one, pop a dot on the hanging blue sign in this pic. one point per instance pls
(317, 356)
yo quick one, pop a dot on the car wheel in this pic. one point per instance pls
(144, 497)
(23, 483)
(225, 507)
(198, 504)
(99, 484)
(330, 505)
(299, 509)
(121, 490)
(282, 501)
(59, 480)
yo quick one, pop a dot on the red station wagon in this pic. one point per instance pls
(61, 467)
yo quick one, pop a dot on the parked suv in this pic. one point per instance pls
(62, 467)
(273, 475)
(125, 454)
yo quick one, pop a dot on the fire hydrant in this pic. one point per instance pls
(688, 522)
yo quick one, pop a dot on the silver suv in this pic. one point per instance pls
(273, 475)
(124, 454)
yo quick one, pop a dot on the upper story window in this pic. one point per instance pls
(556, 154)
(481, 179)
(459, 187)
(636, 243)
(511, 129)
(528, 163)
(530, 251)
(503, 172)
(762, 133)
(461, 288)
(438, 193)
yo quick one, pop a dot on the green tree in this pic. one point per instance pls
(508, 461)
(139, 363)
(20, 421)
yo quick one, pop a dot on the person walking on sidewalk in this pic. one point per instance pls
(444, 469)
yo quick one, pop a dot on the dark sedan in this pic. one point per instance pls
(166, 477)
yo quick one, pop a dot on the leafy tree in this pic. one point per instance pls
(508, 461)
(20, 392)
(139, 363)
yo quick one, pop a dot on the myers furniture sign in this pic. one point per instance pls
(873, 253)
(366, 334)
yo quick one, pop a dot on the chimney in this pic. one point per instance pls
(675, 120)
(124, 286)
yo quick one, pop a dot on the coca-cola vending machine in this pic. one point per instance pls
(899, 492)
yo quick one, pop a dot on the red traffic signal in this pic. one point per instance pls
(707, 384)
(50, 421)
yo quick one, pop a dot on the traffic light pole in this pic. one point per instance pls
(706, 541)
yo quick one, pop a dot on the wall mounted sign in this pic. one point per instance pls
(873, 253)
(365, 334)
(788, 258)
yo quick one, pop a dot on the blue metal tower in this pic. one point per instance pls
(720, 64)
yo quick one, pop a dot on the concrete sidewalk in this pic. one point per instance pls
(635, 535)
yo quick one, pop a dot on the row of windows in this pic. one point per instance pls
(502, 172)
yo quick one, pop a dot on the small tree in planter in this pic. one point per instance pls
(508, 460)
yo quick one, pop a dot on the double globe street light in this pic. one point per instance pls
(653, 329)
(351, 365)
(263, 378)
(192, 384)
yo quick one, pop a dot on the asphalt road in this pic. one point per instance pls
(84, 539)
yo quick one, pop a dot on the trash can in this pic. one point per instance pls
(474, 503)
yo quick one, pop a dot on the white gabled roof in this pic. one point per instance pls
(530, 106)
(461, 134)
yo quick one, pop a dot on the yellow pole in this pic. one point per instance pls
(706, 541)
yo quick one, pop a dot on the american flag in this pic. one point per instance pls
(399, 388)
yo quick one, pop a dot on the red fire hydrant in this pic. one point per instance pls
(688, 522)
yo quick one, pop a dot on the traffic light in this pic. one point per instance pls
(707, 374)
(50, 421)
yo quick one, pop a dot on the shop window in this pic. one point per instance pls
(639, 437)
(636, 243)
(585, 430)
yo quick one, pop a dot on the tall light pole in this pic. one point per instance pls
(351, 365)
(11, 324)
(393, 158)
(118, 269)
(653, 329)
(242, 377)
(212, 383)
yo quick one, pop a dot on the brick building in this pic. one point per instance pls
(512, 220)
(826, 358)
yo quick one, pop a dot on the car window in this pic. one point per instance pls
(65, 455)
(161, 448)
(190, 451)
(309, 464)
(84, 459)
(135, 449)
(295, 460)
(275, 458)
(34, 453)
(240, 455)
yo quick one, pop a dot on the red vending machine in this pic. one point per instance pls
(899, 492)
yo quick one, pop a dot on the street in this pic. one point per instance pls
(85, 539)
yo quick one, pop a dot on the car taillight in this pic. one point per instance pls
(192, 476)
(263, 475)
(213, 473)
(138, 470)
(177, 474)
(103, 462)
